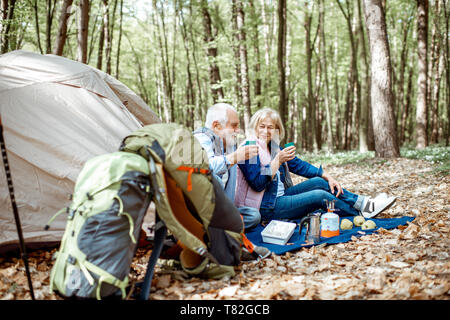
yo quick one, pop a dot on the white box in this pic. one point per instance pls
(278, 232)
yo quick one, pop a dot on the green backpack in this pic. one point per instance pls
(111, 196)
(190, 201)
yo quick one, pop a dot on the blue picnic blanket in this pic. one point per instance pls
(297, 240)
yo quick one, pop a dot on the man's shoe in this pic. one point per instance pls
(258, 253)
(373, 207)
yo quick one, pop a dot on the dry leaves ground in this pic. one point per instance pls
(411, 262)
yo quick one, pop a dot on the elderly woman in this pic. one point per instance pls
(264, 182)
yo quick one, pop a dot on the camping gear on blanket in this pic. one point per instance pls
(312, 222)
(329, 222)
(190, 202)
(298, 240)
(278, 232)
(110, 199)
(57, 113)
(9, 182)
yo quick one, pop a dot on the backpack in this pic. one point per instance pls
(111, 196)
(190, 201)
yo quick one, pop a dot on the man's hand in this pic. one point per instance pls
(333, 184)
(243, 153)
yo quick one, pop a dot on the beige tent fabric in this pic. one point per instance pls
(56, 114)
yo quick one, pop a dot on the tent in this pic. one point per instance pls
(56, 114)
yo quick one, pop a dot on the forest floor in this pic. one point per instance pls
(409, 262)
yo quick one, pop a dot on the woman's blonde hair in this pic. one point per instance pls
(267, 113)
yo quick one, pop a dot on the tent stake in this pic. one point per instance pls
(23, 252)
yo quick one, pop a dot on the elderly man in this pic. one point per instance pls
(218, 138)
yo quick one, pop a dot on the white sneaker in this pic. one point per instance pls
(373, 207)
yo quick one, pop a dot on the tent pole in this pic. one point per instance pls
(23, 252)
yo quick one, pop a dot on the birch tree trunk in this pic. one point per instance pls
(422, 40)
(386, 145)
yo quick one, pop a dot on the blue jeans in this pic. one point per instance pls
(309, 196)
(251, 217)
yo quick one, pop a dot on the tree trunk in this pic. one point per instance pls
(447, 75)
(120, 39)
(211, 51)
(110, 39)
(281, 58)
(336, 96)
(164, 65)
(386, 145)
(201, 105)
(101, 42)
(107, 35)
(401, 82)
(422, 40)
(7, 15)
(435, 101)
(50, 14)
(323, 58)
(352, 77)
(245, 89)
(36, 21)
(141, 83)
(311, 113)
(237, 64)
(257, 69)
(62, 30)
(435, 77)
(190, 93)
(406, 111)
(365, 87)
(83, 29)
(93, 37)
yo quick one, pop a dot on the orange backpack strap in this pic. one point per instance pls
(247, 243)
(191, 170)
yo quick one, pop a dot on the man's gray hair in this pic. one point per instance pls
(218, 112)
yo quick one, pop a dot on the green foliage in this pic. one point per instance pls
(436, 154)
(141, 57)
(338, 158)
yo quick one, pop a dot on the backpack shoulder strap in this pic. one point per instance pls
(160, 235)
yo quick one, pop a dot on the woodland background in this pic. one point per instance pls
(311, 60)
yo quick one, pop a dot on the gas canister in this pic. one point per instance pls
(329, 225)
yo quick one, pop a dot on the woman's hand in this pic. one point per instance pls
(281, 157)
(333, 184)
(286, 154)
